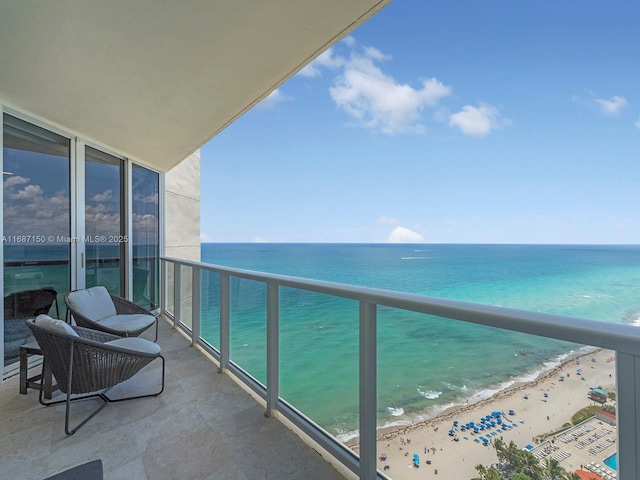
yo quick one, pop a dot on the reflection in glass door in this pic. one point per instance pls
(145, 190)
(36, 213)
(105, 240)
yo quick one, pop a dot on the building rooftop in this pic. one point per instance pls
(203, 426)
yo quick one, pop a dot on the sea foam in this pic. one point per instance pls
(429, 394)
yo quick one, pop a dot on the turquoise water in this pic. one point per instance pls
(425, 364)
(612, 461)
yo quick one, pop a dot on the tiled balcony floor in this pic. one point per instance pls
(203, 426)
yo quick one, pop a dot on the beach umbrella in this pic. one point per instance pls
(455, 423)
(433, 450)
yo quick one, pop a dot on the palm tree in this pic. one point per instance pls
(488, 473)
(552, 469)
(528, 464)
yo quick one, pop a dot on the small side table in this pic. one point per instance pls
(45, 376)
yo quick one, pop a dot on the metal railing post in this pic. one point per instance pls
(224, 321)
(195, 305)
(368, 390)
(273, 368)
(163, 286)
(628, 414)
(177, 293)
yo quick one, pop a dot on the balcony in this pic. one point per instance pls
(202, 426)
(211, 425)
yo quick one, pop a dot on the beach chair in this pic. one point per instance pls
(96, 308)
(86, 361)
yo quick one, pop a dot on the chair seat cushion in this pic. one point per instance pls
(94, 303)
(128, 323)
(58, 326)
(135, 343)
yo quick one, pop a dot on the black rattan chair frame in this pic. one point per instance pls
(123, 307)
(87, 367)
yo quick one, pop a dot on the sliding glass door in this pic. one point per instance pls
(37, 227)
(105, 239)
(145, 193)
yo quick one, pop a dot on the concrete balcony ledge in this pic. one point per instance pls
(203, 426)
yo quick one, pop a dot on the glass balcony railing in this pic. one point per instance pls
(283, 338)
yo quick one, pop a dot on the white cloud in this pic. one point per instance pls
(405, 235)
(388, 221)
(326, 59)
(612, 106)
(204, 238)
(101, 197)
(15, 180)
(476, 121)
(377, 101)
(350, 41)
(153, 198)
(30, 211)
(637, 124)
(259, 239)
(273, 98)
(30, 192)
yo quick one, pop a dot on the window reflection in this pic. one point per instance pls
(145, 236)
(105, 241)
(36, 216)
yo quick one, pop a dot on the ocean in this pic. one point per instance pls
(425, 364)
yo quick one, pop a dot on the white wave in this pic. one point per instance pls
(413, 258)
(395, 411)
(429, 394)
(345, 436)
(455, 388)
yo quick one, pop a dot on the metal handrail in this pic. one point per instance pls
(624, 339)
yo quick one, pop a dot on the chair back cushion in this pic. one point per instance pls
(93, 303)
(58, 326)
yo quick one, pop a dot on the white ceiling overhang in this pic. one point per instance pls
(155, 79)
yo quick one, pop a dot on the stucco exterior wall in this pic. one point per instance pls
(182, 222)
(182, 209)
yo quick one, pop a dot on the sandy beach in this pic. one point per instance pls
(549, 404)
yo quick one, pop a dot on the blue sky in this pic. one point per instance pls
(452, 122)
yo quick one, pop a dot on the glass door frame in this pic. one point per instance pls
(80, 265)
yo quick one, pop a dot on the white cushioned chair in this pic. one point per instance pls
(96, 308)
(89, 362)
